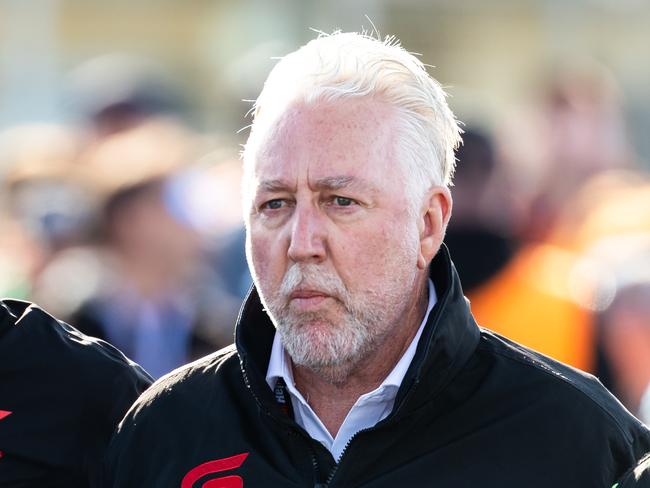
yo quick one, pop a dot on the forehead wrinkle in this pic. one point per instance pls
(339, 182)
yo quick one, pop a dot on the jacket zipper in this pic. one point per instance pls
(332, 473)
(314, 463)
(308, 439)
(334, 470)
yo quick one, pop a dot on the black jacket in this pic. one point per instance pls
(473, 410)
(61, 397)
(638, 477)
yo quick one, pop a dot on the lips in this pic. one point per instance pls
(307, 300)
(307, 294)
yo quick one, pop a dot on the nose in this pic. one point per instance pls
(308, 236)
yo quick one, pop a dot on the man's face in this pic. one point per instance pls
(330, 239)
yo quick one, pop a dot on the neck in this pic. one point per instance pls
(332, 393)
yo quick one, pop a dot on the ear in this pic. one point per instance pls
(432, 223)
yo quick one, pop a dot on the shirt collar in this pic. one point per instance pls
(280, 364)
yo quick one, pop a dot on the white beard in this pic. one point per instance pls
(334, 340)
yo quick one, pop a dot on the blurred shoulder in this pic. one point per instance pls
(192, 385)
(57, 347)
(66, 369)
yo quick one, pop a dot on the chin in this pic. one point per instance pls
(325, 349)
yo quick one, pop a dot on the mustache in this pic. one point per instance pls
(312, 277)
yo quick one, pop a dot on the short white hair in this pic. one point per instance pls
(339, 66)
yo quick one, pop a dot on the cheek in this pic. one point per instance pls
(400, 249)
(371, 255)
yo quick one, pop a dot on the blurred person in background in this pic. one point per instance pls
(574, 131)
(626, 340)
(117, 92)
(61, 396)
(576, 134)
(501, 276)
(44, 207)
(219, 186)
(621, 291)
(152, 297)
(604, 231)
(116, 215)
(482, 218)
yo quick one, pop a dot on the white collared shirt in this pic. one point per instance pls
(369, 409)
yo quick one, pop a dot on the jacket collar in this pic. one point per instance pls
(448, 340)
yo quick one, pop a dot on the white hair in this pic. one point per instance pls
(349, 65)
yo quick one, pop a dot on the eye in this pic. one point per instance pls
(343, 201)
(274, 204)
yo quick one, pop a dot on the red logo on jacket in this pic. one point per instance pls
(3, 414)
(216, 466)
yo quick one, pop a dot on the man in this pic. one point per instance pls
(377, 375)
(61, 396)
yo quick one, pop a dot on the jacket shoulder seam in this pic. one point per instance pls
(532, 362)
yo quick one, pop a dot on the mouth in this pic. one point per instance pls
(306, 300)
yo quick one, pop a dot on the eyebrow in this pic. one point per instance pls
(328, 183)
(272, 186)
(335, 182)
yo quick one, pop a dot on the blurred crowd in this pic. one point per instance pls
(551, 232)
(128, 225)
(123, 224)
